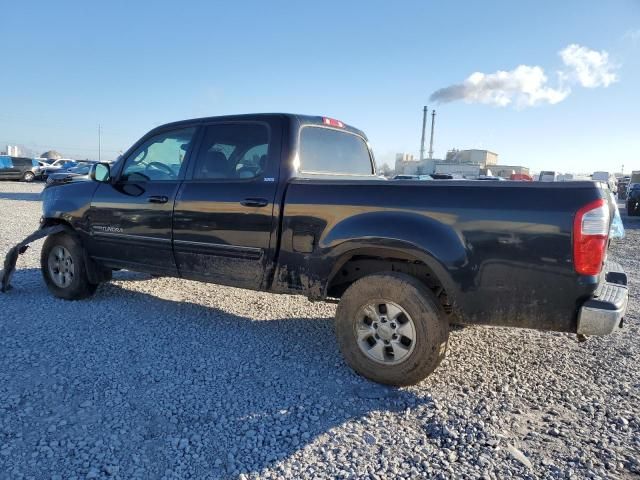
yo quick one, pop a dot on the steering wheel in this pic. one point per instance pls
(161, 166)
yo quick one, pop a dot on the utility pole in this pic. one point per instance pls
(433, 121)
(424, 127)
(99, 143)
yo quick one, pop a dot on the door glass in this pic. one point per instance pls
(232, 151)
(159, 158)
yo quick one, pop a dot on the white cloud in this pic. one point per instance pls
(527, 86)
(588, 67)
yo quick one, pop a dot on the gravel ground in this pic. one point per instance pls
(165, 378)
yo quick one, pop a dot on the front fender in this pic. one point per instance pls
(69, 202)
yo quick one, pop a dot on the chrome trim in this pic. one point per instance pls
(221, 249)
(143, 238)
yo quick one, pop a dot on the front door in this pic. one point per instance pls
(130, 218)
(223, 216)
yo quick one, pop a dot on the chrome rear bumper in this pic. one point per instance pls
(604, 312)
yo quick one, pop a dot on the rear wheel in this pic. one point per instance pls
(63, 267)
(391, 329)
(28, 177)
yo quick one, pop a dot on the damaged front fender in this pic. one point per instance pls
(12, 256)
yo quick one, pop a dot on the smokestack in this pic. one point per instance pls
(433, 121)
(424, 127)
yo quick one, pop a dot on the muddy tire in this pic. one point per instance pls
(391, 329)
(63, 267)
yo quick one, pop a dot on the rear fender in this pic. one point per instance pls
(401, 235)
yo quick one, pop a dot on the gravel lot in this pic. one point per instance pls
(165, 378)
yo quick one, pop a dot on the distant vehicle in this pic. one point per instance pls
(490, 178)
(413, 177)
(18, 168)
(548, 176)
(635, 178)
(609, 179)
(633, 201)
(442, 176)
(61, 164)
(79, 172)
(622, 189)
(521, 177)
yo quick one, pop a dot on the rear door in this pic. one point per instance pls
(223, 216)
(20, 166)
(130, 219)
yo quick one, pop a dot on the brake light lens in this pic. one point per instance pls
(590, 236)
(332, 122)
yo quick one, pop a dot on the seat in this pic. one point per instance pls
(215, 165)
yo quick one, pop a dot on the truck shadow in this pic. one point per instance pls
(22, 196)
(189, 384)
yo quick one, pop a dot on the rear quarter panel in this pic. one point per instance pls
(502, 252)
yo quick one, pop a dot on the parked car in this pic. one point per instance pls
(79, 172)
(521, 177)
(57, 166)
(490, 178)
(18, 168)
(622, 189)
(292, 204)
(608, 179)
(413, 177)
(548, 176)
(443, 176)
(633, 200)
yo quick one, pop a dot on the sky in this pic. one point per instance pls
(545, 84)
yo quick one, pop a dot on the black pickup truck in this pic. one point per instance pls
(291, 204)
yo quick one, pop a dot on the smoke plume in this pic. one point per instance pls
(526, 86)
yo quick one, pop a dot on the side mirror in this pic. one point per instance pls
(101, 172)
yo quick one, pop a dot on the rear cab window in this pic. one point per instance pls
(330, 151)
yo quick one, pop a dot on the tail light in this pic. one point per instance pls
(590, 235)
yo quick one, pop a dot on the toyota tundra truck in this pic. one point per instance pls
(291, 204)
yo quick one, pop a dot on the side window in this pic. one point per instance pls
(5, 162)
(323, 150)
(159, 158)
(21, 162)
(232, 151)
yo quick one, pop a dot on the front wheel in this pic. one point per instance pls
(63, 267)
(28, 177)
(391, 329)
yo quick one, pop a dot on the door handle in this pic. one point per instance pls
(158, 199)
(254, 202)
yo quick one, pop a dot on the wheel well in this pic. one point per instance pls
(360, 266)
(49, 222)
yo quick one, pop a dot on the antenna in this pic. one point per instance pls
(433, 121)
(99, 142)
(424, 127)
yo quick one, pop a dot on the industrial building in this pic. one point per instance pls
(462, 163)
(483, 158)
